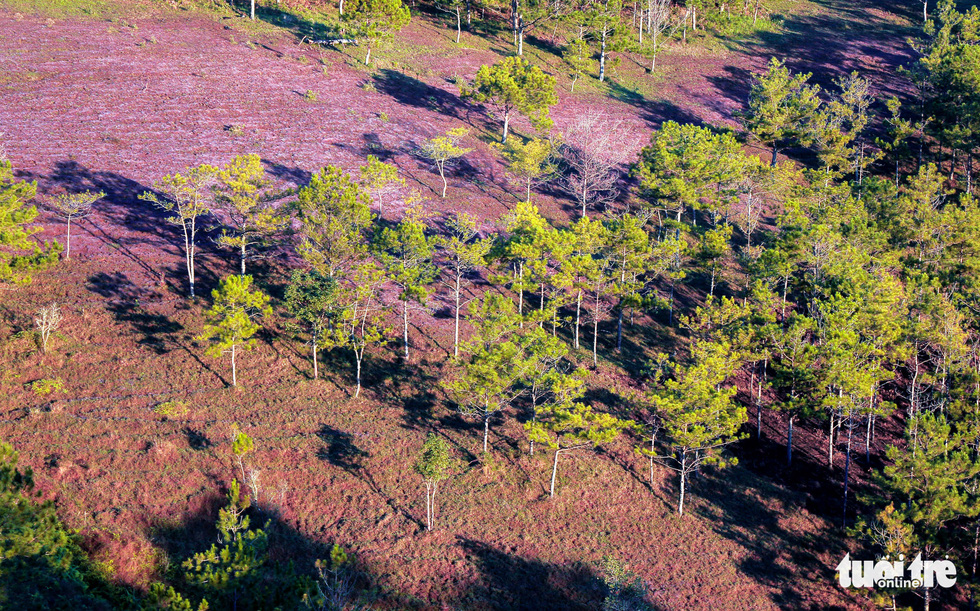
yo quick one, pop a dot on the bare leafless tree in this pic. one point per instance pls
(47, 321)
(591, 152)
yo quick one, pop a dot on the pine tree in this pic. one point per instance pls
(232, 566)
(444, 151)
(781, 106)
(435, 464)
(19, 255)
(311, 301)
(187, 197)
(530, 162)
(461, 252)
(565, 424)
(493, 375)
(513, 85)
(246, 205)
(359, 322)
(231, 323)
(378, 177)
(335, 222)
(698, 416)
(375, 20)
(74, 206)
(406, 253)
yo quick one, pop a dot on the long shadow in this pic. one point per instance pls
(374, 146)
(654, 112)
(281, 581)
(509, 582)
(299, 26)
(295, 175)
(121, 203)
(413, 92)
(121, 206)
(779, 558)
(837, 42)
(341, 451)
(123, 302)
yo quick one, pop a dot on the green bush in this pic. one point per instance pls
(172, 409)
(47, 386)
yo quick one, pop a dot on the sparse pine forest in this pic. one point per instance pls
(462, 304)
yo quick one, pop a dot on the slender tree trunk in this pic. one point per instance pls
(574, 80)
(554, 473)
(680, 502)
(68, 241)
(602, 63)
(758, 401)
(253, 10)
(189, 255)
(357, 357)
(316, 371)
(830, 445)
(785, 289)
(653, 445)
(775, 151)
(456, 322)
(486, 432)
(520, 292)
(459, 25)
(578, 316)
(969, 172)
(432, 510)
(867, 441)
(234, 372)
(405, 320)
(595, 333)
(428, 506)
(789, 442)
(514, 12)
(367, 58)
(619, 330)
(442, 175)
(595, 342)
(506, 127)
(520, 35)
(341, 8)
(847, 463)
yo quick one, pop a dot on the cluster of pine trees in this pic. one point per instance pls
(835, 295)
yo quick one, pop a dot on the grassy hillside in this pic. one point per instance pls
(154, 88)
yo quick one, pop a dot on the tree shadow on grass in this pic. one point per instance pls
(750, 511)
(123, 302)
(341, 450)
(654, 112)
(413, 92)
(282, 580)
(121, 205)
(301, 27)
(509, 582)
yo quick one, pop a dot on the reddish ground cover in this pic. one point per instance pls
(102, 105)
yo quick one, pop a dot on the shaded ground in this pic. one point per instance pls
(163, 92)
